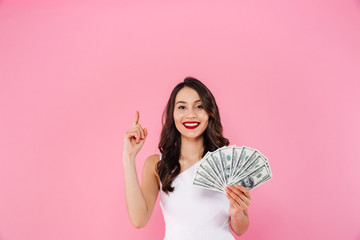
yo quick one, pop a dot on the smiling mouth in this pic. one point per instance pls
(191, 125)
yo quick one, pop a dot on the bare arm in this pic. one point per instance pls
(240, 223)
(239, 197)
(140, 201)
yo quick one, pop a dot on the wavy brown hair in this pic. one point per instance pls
(170, 140)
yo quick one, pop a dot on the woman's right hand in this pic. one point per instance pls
(134, 138)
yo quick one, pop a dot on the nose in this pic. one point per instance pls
(191, 114)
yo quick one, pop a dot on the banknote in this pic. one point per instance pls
(232, 165)
(208, 174)
(210, 163)
(255, 178)
(226, 155)
(254, 165)
(246, 157)
(203, 181)
(220, 162)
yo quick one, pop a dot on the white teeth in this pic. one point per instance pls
(191, 124)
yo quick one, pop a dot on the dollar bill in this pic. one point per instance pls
(245, 157)
(220, 163)
(214, 166)
(256, 164)
(206, 182)
(208, 173)
(232, 165)
(255, 178)
(235, 158)
(226, 155)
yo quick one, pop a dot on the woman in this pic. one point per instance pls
(191, 127)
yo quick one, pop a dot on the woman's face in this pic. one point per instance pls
(190, 117)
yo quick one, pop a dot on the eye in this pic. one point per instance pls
(181, 107)
(199, 107)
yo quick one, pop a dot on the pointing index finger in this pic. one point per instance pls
(136, 120)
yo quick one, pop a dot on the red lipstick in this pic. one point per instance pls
(191, 125)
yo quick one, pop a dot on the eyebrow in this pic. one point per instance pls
(186, 102)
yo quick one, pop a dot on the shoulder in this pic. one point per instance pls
(152, 160)
(150, 164)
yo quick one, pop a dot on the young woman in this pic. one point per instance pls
(191, 128)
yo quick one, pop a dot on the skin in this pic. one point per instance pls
(140, 199)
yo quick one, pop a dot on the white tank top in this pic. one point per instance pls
(191, 212)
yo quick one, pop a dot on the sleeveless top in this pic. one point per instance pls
(191, 212)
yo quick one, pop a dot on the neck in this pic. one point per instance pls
(192, 149)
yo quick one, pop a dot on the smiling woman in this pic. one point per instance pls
(189, 113)
(190, 101)
(191, 128)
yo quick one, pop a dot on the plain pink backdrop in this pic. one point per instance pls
(72, 74)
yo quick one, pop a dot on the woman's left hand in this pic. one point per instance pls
(239, 197)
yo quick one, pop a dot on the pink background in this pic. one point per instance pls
(285, 75)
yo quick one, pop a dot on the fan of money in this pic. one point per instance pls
(232, 165)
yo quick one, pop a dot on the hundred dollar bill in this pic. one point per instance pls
(256, 164)
(235, 157)
(205, 156)
(245, 154)
(203, 181)
(232, 165)
(203, 159)
(267, 162)
(207, 186)
(221, 163)
(208, 173)
(210, 163)
(255, 178)
(250, 160)
(226, 155)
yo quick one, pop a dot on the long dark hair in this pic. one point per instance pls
(170, 140)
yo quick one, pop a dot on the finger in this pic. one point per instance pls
(238, 190)
(136, 119)
(234, 190)
(234, 196)
(245, 190)
(233, 203)
(138, 139)
(236, 202)
(142, 134)
(238, 196)
(146, 132)
(242, 205)
(245, 199)
(134, 133)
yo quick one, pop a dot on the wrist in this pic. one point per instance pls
(128, 158)
(239, 215)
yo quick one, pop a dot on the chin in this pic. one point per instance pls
(192, 136)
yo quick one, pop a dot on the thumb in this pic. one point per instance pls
(145, 132)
